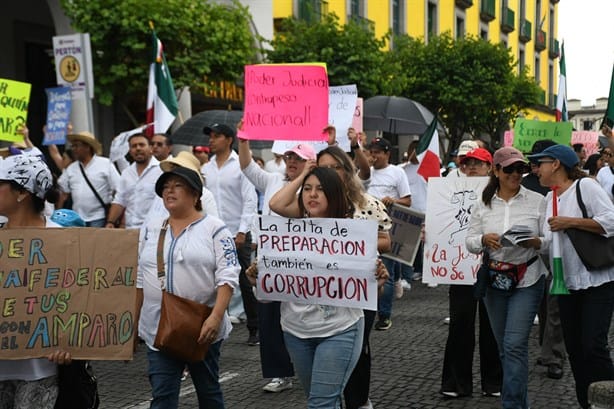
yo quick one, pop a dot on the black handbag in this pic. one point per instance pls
(78, 386)
(595, 250)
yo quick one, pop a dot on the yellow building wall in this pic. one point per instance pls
(282, 8)
(379, 13)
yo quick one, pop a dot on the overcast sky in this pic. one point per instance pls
(587, 28)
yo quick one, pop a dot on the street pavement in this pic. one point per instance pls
(406, 368)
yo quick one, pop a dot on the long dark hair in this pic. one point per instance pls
(338, 204)
(491, 188)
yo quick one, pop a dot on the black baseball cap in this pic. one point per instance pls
(221, 129)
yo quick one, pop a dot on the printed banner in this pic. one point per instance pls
(527, 132)
(317, 261)
(70, 289)
(59, 105)
(449, 203)
(14, 100)
(285, 102)
(341, 110)
(405, 233)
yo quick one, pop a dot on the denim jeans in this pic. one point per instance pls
(511, 315)
(96, 223)
(384, 301)
(165, 379)
(324, 365)
(586, 316)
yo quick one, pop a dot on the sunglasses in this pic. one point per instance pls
(607, 153)
(517, 167)
(293, 156)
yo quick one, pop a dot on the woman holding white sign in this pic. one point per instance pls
(25, 184)
(506, 224)
(324, 342)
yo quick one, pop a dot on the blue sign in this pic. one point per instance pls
(59, 105)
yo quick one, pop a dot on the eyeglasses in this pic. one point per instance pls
(518, 168)
(539, 162)
(293, 156)
(607, 153)
(473, 162)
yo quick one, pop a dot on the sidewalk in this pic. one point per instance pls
(406, 368)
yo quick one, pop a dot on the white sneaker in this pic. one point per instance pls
(406, 285)
(536, 320)
(277, 385)
(446, 320)
(367, 405)
(432, 285)
(234, 319)
(398, 289)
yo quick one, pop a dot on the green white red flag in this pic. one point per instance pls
(427, 152)
(561, 98)
(558, 277)
(162, 104)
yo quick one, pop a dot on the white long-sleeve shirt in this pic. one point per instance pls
(526, 208)
(235, 196)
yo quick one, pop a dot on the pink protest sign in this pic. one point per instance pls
(357, 120)
(590, 139)
(285, 102)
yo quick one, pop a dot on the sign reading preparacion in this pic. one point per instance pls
(318, 261)
(69, 289)
(14, 100)
(285, 102)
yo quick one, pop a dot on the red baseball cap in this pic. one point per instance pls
(201, 149)
(479, 154)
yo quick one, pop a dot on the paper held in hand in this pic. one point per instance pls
(516, 234)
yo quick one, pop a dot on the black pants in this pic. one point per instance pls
(356, 391)
(458, 358)
(274, 357)
(585, 318)
(250, 304)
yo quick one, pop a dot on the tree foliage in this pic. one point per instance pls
(203, 41)
(469, 82)
(352, 53)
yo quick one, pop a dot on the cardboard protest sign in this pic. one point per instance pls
(527, 132)
(341, 109)
(14, 100)
(70, 289)
(317, 261)
(405, 233)
(285, 102)
(357, 120)
(449, 202)
(59, 104)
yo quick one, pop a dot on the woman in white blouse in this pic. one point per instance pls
(516, 271)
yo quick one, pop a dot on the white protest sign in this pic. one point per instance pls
(341, 109)
(317, 261)
(449, 203)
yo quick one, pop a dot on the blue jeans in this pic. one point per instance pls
(165, 379)
(96, 223)
(511, 315)
(586, 316)
(324, 365)
(384, 301)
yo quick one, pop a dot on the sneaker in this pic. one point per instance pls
(235, 320)
(398, 289)
(450, 394)
(446, 320)
(277, 385)
(406, 285)
(185, 374)
(491, 394)
(536, 320)
(383, 324)
(432, 285)
(416, 276)
(253, 339)
(367, 405)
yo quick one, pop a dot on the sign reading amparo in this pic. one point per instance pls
(70, 289)
(318, 261)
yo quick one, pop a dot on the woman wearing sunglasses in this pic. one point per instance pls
(516, 271)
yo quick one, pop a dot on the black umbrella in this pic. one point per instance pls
(191, 132)
(397, 115)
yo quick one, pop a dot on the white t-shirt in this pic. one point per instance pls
(389, 181)
(28, 369)
(605, 177)
(203, 258)
(417, 185)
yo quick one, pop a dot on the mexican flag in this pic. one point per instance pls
(608, 119)
(428, 152)
(561, 98)
(162, 104)
(558, 286)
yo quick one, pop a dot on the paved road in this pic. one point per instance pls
(406, 369)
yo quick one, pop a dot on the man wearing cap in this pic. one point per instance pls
(390, 185)
(88, 169)
(162, 146)
(464, 148)
(237, 203)
(136, 185)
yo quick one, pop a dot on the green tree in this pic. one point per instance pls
(469, 82)
(352, 53)
(203, 42)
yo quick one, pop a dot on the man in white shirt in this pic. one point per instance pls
(137, 183)
(162, 146)
(464, 148)
(389, 184)
(237, 202)
(605, 176)
(89, 202)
